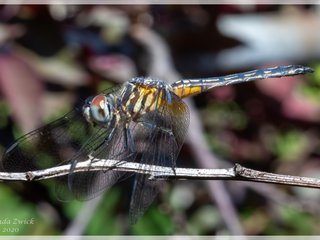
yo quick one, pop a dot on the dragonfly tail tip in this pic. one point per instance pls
(306, 69)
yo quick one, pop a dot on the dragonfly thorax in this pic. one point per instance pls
(99, 110)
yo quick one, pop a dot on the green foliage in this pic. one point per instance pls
(311, 87)
(224, 115)
(316, 75)
(19, 217)
(219, 117)
(154, 222)
(4, 110)
(104, 85)
(291, 222)
(290, 145)
(57, 113)
(104, 221)
(72, 208)
(220, 147)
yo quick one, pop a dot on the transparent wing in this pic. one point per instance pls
(70, 139)
(158, 137)
(49, 145)
(54, 143)
(110, 144)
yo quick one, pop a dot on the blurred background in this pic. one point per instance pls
(52, 56)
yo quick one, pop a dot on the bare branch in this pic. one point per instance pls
(237, 172)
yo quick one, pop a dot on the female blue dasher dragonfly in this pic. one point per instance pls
(144, 120)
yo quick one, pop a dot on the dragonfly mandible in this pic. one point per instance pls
(144, 121)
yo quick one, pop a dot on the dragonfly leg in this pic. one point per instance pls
(129, 147)
(129, 141)
(162, 129)
(106, 140)
(127, 153)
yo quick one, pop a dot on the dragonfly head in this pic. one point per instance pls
(98, 110)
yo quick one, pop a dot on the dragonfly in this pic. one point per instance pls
(144, 120)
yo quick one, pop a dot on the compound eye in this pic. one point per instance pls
(99, 109)
(98, 102)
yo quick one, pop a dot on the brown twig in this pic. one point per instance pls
(237, 172)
